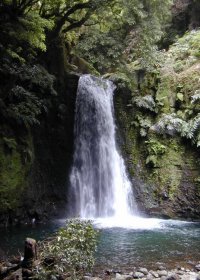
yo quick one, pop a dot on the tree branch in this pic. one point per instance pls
(79, 6)
(25, 4)
(78, 23)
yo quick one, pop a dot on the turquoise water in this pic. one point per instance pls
(170, 243)
(12, 238)
(121, 248)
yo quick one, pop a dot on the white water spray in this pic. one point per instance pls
(100, 189)
(99, 183)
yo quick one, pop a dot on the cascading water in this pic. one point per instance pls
(101, 190)
(99, 184)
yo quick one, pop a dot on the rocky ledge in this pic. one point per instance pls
(142, 273)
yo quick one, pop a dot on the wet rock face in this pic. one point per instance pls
(181, 12)
(53, 149)
(164, 170)
(186, 14)
(44, 178)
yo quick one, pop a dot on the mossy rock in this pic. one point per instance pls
(166, 93)
(82, 66)
(13, 175)
(169, 164)
(189, 82)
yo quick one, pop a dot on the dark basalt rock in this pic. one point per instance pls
(45, 194)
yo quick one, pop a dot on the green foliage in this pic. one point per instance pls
(100, 48)
(196, 97)
(178, 91)
(123, 80)
(171, 124)
(27, 96)
(23, 30)
(109, 33)
(127, 31)
(191, 130)
(155, 150)
(152, 17)
(146, 102)
(72, 250)
(143, 122)
(12, 175)
(185, 52)
(34, 30)
(10, 143)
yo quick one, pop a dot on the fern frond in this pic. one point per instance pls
(198, 140)
(169, 124)
(146, 102)
(196, 96)
(193, 127)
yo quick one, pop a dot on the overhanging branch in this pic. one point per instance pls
(77, 23)
(66, 17)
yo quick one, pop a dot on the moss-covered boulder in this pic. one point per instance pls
(15, 163)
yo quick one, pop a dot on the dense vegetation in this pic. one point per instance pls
(107, 34)
(161, 127)
(133, 42)
(70, 253)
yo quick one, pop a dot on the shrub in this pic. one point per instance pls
(71, 251)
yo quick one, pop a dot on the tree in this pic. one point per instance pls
(108, 33)
(129, 30)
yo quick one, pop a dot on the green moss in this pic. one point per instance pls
(82, 66)
(162, 161)
(124, 80)
(125, 116)
(186, 51)
(148, 84)
(12, 175)
(155, 151)
(169, 167)
(190, 83)
(166, 93)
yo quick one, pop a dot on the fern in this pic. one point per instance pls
(28, 96)
(186, 51)
(169, 124)
(196, 96)
(24, 113)
(155, 151)
(198, 140)
(146, 102)
(192, 128)
(144, 123)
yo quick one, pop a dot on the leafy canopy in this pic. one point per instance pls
(110, 29)
(126, 31)
(107, 33)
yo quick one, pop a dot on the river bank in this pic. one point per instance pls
(161, 273)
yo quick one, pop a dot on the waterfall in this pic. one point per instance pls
(99, 184)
